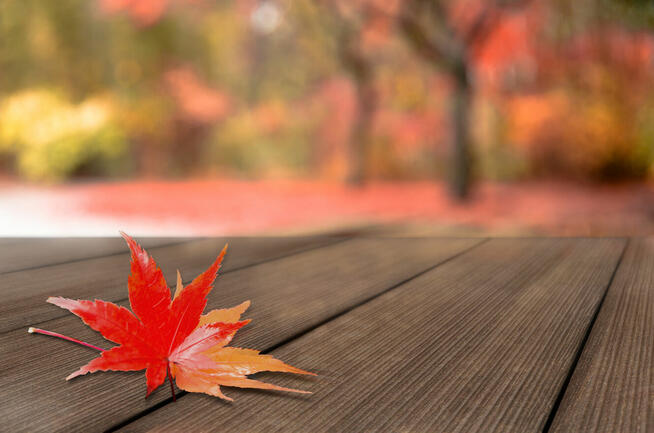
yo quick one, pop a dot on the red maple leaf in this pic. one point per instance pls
(171, 337)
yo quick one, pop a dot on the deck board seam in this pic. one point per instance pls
(308, 330)
(573, 366)
(83, 259)
(249, 265)
(373, 297)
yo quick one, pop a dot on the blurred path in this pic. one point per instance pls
(217, 207)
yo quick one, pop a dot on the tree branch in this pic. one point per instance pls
(488, 17)
(442, 47)
(482, 25)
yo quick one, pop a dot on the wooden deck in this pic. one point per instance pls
(406, 335)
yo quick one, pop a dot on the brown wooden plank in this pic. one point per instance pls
(612, 388)
(24, 293)
(482, 343)
(288, 296)
(4, 241)
(19, 254)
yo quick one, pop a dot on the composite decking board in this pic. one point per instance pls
(23, 293)
(612, 388)
(24, 254)
(481, 343)
(289, 296)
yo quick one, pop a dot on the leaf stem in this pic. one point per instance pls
(170, 379)
(33, 330)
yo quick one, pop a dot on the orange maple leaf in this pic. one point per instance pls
(172, 338)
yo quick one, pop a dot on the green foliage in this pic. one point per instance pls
(637, 13)
(645, 138)
(252, 144)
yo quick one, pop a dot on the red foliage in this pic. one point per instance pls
(143, 12)
(196, 101)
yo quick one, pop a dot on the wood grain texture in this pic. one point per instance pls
(23, 293)
(19, 254)
(480, 344)
(289, 296)
(612, 388)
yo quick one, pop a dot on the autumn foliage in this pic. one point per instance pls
(280, 88)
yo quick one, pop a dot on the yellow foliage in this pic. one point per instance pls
(50, 137)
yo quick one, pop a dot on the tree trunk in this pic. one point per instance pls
(460, 176)
(361, 71)
(360, 137)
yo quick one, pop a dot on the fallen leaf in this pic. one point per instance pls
(172, 338)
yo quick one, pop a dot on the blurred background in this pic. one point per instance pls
(407, 117)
